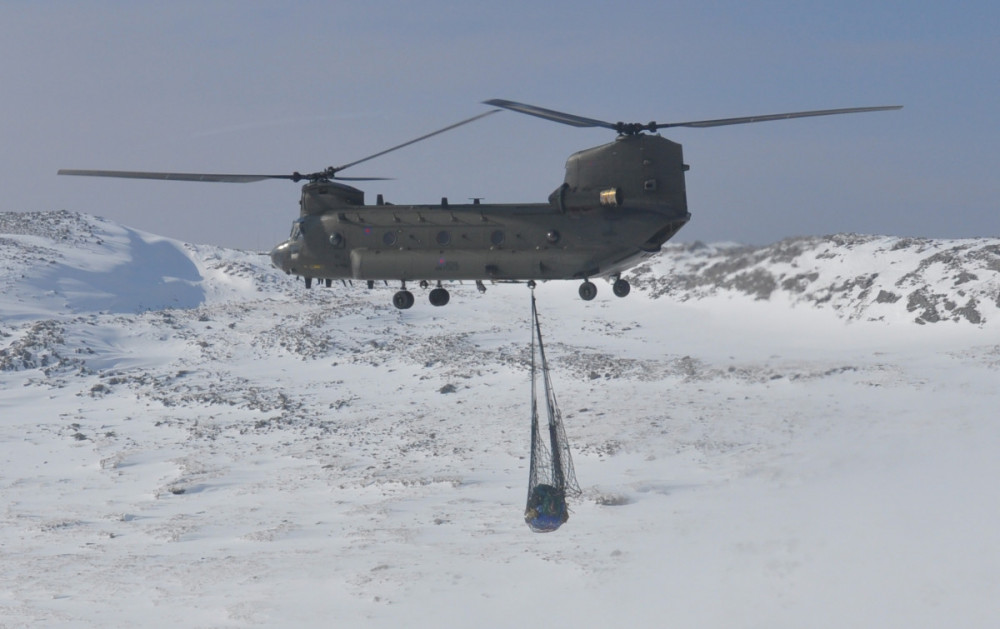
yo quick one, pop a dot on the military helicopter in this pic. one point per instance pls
(618, 204)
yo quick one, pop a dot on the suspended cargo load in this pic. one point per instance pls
(552, 477)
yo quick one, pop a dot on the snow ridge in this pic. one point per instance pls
(866, 278)
(76, 263)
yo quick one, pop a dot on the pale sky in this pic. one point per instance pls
(275, 87)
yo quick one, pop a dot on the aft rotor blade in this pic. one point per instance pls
(633, 128)
(414, 141)
(131, 174)
(797, 114)
(549, 114)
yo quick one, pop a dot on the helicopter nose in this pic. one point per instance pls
(281, 257)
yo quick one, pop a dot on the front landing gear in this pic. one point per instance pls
(620, 287)
(404, 300)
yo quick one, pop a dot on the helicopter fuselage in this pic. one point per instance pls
(618, 204)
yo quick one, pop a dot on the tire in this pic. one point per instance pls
(621, 288)
(439, 297)
(402, 299)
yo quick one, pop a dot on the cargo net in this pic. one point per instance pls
(552, 476)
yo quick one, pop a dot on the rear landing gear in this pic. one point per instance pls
(621, 287)
(439, 296)
(403, 299)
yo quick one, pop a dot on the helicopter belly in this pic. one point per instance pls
(468, 264)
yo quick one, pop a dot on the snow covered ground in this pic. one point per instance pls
(190, 438)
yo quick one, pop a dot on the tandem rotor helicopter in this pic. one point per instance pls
(618, 204)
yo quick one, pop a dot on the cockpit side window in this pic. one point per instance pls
(296, 230)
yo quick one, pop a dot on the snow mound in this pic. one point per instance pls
(63, 263)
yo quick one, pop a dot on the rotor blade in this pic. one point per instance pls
(549, 114)
(414, 141)
(131, 174)
(797, 114)
(329, 173)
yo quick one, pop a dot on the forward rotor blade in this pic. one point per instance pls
(414, 141)
(329, 173)
(131, 174)
(549, 114)
(797, 114)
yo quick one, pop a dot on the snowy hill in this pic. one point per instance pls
(765, 437)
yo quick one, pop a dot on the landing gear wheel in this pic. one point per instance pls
(588, 291)
(402, 299)
(439, 296)
(621, 287)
